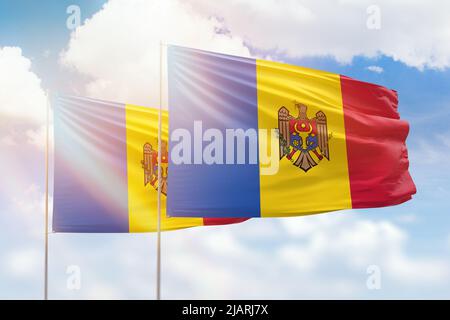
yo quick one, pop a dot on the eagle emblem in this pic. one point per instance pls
(303, 140)
(150, 166)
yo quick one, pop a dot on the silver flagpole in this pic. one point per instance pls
(46, 198)
(158, 226)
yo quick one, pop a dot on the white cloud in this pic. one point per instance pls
(21, 95)
(23, 102)
(407, 218)
(47, 53)
(339, 28)
(359, 243)
(28, 208)
(103, 292)
(432, 151)
(38, 137)
(430, 271)
(323, 256)
(308, 257)
(23, 262)
(118, 48)
(31, 201)
(8, 140)
(376, 69)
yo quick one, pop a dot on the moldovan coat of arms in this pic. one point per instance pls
(303, 140)
(151, 166)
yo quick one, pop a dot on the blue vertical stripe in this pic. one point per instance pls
(220, 91)
(90, 175)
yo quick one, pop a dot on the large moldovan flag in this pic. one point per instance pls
(106, 162)
(314, 141)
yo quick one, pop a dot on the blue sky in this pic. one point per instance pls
(39, 27)
(106, 59)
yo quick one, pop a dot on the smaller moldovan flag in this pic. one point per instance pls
(106, 169)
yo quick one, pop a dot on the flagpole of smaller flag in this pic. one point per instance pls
(158, 224)
(46, 196)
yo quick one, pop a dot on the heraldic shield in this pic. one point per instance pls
(303, 140)
(150, 166)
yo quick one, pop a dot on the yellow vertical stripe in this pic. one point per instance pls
(324, 187)
(142, 128)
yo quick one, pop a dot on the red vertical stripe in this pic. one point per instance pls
(376, 151)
